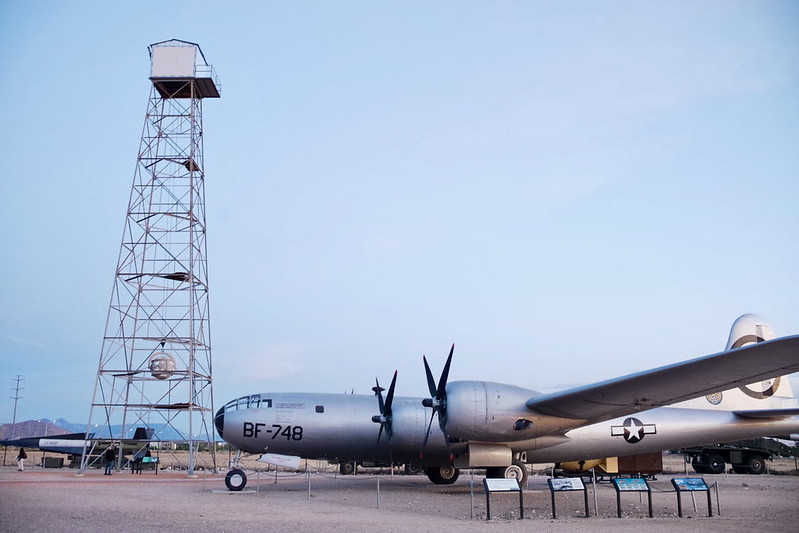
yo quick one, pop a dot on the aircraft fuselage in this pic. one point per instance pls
(327, 426)
(339, 427)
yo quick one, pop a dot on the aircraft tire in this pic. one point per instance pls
(755, 464)
(714, 464)
(346, 469)
(413, 470)
(515, 471)
(442, 475)
(235, 480)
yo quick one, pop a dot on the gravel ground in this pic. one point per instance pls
(59, 500)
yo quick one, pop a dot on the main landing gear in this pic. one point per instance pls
(517, 471)
(442, 475)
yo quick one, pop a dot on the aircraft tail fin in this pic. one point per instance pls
(749, 329)
(772, 394)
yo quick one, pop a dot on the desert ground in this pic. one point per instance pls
(57, 499)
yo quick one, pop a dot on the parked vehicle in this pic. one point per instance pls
(745, 457)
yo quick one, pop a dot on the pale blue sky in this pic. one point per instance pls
(566, 190)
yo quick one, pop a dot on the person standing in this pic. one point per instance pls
(148, 455)
(21, 456)
(110, 455)
(135, 464)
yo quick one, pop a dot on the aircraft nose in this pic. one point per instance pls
(219, 421)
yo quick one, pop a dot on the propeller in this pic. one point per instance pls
(438, 400)
(384, 418)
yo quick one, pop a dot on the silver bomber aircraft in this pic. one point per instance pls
(740, 393)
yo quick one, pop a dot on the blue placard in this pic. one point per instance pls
(690, 484)
(633, 484)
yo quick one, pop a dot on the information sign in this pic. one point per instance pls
(689, 483)
(632, 484)
(502, 485)
(566, 483)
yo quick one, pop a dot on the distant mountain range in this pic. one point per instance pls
(35, 428)
(45, 428)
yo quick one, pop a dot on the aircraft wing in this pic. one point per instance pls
(673, 383)
(768, 413)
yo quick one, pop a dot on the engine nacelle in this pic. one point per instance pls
(491, 412)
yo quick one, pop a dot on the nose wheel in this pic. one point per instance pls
(235, 480)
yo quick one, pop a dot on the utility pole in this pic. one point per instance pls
(17, 389)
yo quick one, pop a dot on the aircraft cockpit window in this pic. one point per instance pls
(248, 402)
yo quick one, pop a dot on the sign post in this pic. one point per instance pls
(567, 485)
(633, 484)
(502, 485)
(691, 484)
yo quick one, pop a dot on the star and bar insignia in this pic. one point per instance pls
(633, 430)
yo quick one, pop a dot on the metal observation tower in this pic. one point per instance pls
(154, 377)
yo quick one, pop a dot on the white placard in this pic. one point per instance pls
(502, 485)
(566, 483)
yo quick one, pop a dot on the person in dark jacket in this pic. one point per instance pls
(110, 456)
(21, 456)
(135, 464)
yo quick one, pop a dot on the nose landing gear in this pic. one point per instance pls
(235, 480)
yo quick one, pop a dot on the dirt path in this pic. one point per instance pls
(58, 500)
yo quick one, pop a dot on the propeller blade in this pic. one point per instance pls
(427, 434)
(380, 419)
(378, 391)
(442, 383)
(379, 434)
(438, 400)
(386, 409)
(384, 418)
(431, 384)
